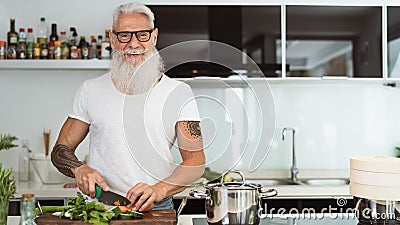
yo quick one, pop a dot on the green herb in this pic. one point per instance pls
(79, 209)
(7, 183)
(6, 141)
(397, 152)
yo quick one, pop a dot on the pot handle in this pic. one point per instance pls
(199, 194)
(268, 193)
(232, 171)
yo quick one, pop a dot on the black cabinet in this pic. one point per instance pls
(283, 206)
(14, 207)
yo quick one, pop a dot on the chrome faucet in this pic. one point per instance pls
(293, 169)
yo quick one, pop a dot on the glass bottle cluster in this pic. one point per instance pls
(24, 45)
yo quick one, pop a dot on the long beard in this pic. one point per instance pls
(134, 78)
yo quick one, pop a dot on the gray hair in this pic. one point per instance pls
(133, 7)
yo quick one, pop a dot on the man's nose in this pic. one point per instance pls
(134, 42)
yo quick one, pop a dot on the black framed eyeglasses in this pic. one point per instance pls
(126, 36)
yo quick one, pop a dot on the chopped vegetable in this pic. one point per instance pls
(116, 210)
(91, 212)
(124, 208)
(126, 216)
(135, 214)
(79, 209)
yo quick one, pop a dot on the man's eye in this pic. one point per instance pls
(124, 35)
(142, 34)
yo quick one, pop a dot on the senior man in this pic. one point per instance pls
(133, 115)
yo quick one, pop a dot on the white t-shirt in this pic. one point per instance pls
(131, 135)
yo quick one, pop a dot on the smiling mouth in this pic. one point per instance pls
(135, 52)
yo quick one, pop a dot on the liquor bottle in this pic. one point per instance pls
(105, 46)
(27, 208)
(53, 35)
(23, 162)
(42, 31)
(84, 48)
(12, 41)
(22, 48)
(30, 39)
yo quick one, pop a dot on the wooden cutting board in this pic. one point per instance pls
(158, 217)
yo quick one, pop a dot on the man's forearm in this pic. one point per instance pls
(65, 160)
(181, 178)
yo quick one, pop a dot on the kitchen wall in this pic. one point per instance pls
(333, 121)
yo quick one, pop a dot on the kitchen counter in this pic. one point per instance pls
(51, 191)
(320, 219)
(298, 219)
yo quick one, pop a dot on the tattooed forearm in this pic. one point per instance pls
(64, 159)
(193, 128)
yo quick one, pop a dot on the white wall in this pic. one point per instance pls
(34, 100)
(333, 121)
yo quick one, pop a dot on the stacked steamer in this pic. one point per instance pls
(375, 184)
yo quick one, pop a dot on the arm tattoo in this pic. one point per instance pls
(193, 128)
(64, 159)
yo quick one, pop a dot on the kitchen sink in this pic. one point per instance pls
(274, 182)
(326, 181)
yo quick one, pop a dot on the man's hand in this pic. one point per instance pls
(87, 178)
(142, 195)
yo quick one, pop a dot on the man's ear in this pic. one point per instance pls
(112, 40)
(155, 36)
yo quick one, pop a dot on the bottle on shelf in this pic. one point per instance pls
(53, 36)
(23, 163)
(74, 51)
(2, 49)
(12, 41)
(63, 37)
(50, 49)
(36, 50)
(93, 49)
(106, 46)
(27, 208)
(65, 51)
(57, 50)
(98, 44)
(83, 46)
(71, 38)
(22, 47)
(30, 40)
(44, 51)
(42, 31)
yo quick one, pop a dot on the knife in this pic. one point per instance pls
(110, 198)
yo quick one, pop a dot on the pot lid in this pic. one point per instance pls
(239, 185)
(234, 186)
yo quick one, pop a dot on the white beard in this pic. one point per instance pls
(134, 78)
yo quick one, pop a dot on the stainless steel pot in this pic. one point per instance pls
(233, 202)
(370, 211)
